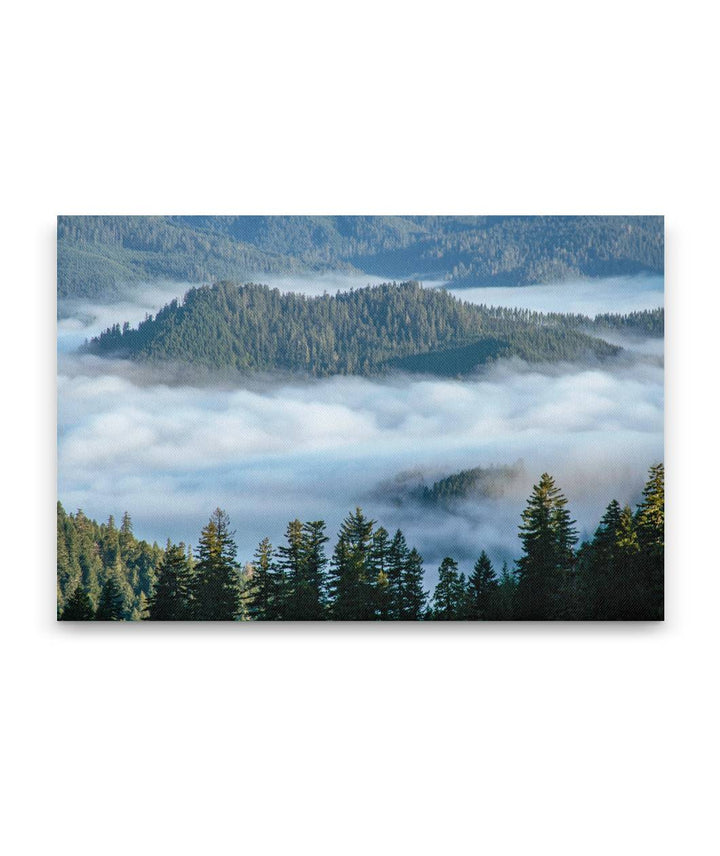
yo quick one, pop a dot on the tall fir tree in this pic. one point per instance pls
(314, 584)
(260, 595)
(112, 603)
(607, 568)
(380, 572)
(449, 596)
(171, 598)
(291, 566)
(415, 598)
(397, 560)
(650, 528)
(216, 582)
(482, 590)
(302, 564)
(351, 581)
(546, 568)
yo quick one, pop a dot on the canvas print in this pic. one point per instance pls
(360, 418)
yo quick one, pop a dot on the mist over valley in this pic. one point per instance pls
(169, 444)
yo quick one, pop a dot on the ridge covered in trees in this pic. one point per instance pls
(411, 487)
(104, 573)
(99, 255)
(363, 331)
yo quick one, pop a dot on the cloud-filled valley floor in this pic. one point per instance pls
(169, 451)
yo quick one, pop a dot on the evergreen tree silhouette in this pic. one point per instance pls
(78, 607)
(351, 571)
(482, 590)
(449, 595)
(111, 605)
(170, 600)
(216, 584)
(650, 528)
(545, 570)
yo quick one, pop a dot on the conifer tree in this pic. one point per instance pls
(112, 602)
(380, 572)
(129, 547)
(260, 593)
(69, 574)
(140, 608)
(170, 600)
(88, 555)
(216, 583)
(350, 579)
(382, 597)
(650, 528)
(545, 570)
(78, 607)
(506, 594)
(449, 594)
(302, 565)
(291, 565)
(111, 545)
(482, 590)
(397, 561)
(315, 561)
(415, 597)
(627, 600)
(462, 599)
(608, 568)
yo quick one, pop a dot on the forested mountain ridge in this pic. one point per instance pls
(98, 254)
(447, 490)
(363, 331)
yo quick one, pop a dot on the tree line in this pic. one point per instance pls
(373, 575)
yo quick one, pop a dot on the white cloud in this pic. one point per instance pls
(318, 449)
(584, 296)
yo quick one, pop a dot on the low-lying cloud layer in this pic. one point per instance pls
(169, 449)
(171, 454)
(585, 296)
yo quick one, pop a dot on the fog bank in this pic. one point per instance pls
(169, 454)
(585, 296)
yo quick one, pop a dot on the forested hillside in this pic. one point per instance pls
(112, 568)
(371, 574)
(98, 255)
(478, 482)
(365, 331)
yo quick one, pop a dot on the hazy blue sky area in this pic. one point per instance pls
(169, 448)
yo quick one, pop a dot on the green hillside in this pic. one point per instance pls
(365, 331)
(98, 255)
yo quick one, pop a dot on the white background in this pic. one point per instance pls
(343, 740)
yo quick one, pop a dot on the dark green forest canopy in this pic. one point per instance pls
(96, 556)
(362, 331)
(99, 255)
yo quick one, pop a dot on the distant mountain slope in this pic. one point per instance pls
(365, 331)
(99, 255)
(491, 482)
(96, 255)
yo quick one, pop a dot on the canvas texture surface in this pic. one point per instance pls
(360, 418)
